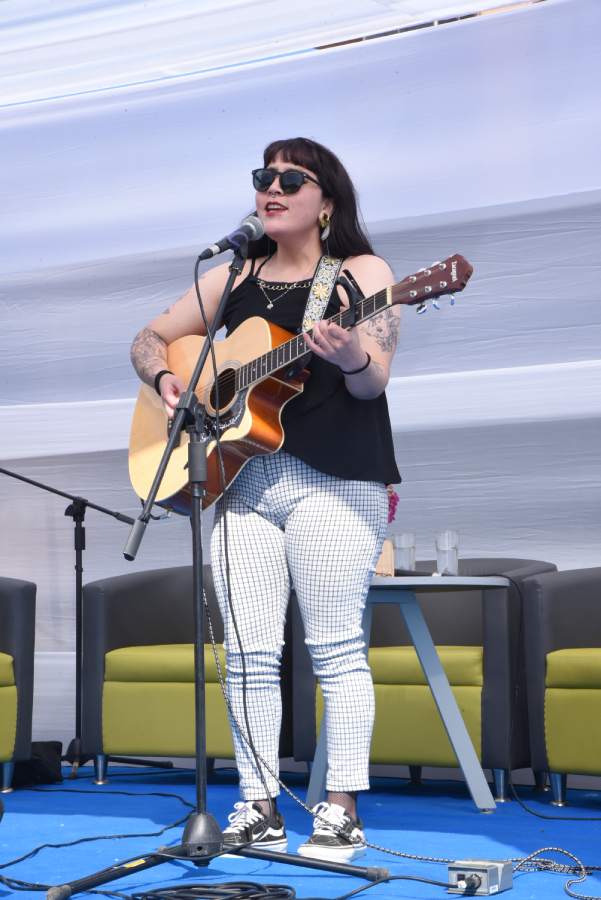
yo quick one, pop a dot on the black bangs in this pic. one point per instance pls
(298, 151)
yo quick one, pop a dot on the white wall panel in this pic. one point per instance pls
(480, 137)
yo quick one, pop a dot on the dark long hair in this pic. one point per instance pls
(347, 237)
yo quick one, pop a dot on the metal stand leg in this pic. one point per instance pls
(8, 769)
(541, 781)
(100, 767)
(415, 776)
(559, 783)
(500, 777)
(317, 782)
(445, 701)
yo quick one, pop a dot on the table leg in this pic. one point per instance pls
(445, 701)
(316, 790)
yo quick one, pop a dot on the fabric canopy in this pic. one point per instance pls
(128, 131)
(72, 48)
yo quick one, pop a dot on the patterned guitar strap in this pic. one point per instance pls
(324, 282)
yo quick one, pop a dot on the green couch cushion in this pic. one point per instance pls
(573, 730)
(148, 702)
(7, 674)
(159, 662)
(400, 665)
(408, 729)
(157, 719)
(8, 721)
(578, 667)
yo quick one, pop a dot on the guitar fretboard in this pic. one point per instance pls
(292, 350)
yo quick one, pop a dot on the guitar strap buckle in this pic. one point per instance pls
(353, 292)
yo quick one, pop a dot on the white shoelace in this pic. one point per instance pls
(329, 818)
(244, 814)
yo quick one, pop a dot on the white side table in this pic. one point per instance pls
(403, 591)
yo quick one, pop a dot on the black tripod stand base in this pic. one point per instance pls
(156, 858)
(127, 867)
(369, 873)
(134, 761)
(202, 838)
(77, 758)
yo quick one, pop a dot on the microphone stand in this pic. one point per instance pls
(202, 838)
(77, 510)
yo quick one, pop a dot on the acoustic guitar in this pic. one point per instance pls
(259, 370)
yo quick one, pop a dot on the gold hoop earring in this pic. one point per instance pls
(324, 224)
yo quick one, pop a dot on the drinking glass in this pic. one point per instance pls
(447, 553)
(404, 551)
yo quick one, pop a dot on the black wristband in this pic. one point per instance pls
(361, 369)
(158, 377)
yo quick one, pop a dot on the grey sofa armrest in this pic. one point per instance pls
(566, 607)
(141, 608)
(153, 607)
(561, 610)
(17, 638)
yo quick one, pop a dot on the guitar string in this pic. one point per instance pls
(341, 318)
(230, 380)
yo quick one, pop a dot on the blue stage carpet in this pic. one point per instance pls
(437, 820)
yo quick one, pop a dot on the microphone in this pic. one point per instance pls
(250, 229)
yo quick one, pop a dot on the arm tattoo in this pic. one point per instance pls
(384, 329)
(148, 354)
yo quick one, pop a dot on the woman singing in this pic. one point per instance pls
(312, 515)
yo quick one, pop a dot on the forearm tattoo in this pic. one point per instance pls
(384, 329)
(148, 354)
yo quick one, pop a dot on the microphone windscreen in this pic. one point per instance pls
(255, 227)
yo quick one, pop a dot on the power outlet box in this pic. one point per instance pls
(479, 877)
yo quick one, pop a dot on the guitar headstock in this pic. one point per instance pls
(447, 277)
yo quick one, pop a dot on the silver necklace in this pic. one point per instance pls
(281, 289)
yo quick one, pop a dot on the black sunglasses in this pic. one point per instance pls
(291, 180)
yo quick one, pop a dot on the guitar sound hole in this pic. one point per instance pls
(226, 383)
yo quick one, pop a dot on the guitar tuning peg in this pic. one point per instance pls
(421, 308)
(452, 299)
(436, 304)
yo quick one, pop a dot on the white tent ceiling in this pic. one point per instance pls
(127, 133)
(68, 47)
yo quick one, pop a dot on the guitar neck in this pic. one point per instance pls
(291, 351)
(446, 277)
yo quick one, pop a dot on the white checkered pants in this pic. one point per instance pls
(288, 522)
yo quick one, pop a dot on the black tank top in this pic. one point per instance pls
(325, 426)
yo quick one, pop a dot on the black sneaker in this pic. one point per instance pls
(336, 836)
(250, 826)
